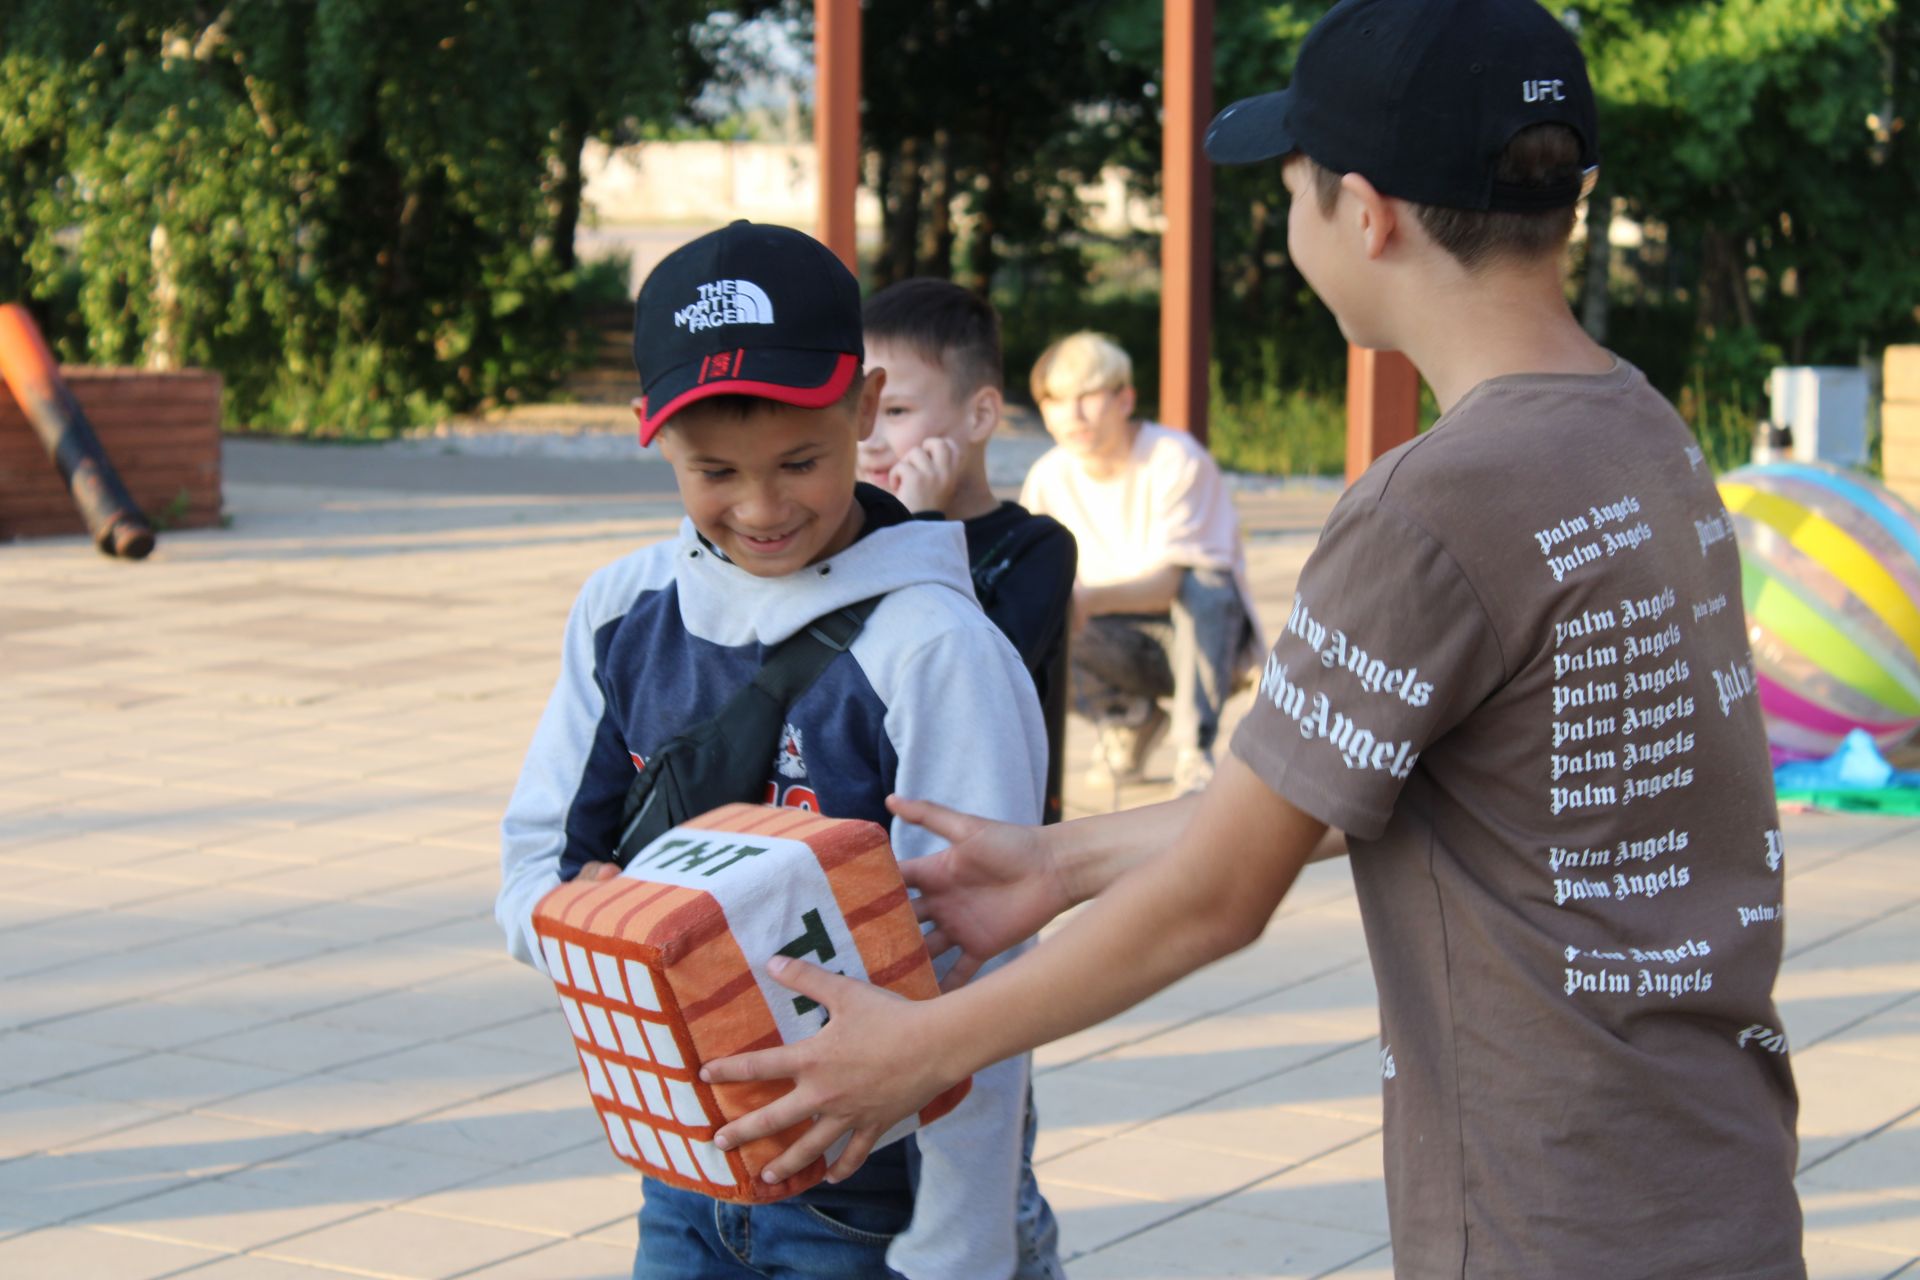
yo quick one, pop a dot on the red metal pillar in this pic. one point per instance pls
(1186, 248)
(1383, 405)
(836, 122)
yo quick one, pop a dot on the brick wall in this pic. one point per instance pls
(161, 431)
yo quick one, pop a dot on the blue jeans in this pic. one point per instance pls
(687, 1236)
(1033, 1221)
(1122, 664)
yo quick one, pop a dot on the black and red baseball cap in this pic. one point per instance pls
(1420, 97)
(749, 310)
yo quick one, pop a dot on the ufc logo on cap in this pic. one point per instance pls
(1544, 90)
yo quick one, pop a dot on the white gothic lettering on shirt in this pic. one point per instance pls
(1359, 746)
(1337, 650)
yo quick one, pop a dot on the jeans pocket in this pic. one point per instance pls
(875, 1226)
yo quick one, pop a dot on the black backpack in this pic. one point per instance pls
(724, 759)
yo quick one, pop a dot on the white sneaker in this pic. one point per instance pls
(1192, 770)
(1120, 755)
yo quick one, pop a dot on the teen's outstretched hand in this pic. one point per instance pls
(993, 887)
(866, 1070)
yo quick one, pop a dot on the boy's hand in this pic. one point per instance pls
(867, 1070)
(598, 871)
(994, 886)
(925, 479)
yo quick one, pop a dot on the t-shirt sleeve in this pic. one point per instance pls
(1193, 510)
(1385, 649)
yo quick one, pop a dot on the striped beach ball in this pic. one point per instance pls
(1830, 572)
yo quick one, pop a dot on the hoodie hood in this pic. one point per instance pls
(721, 602)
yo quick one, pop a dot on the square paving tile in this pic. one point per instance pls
(363, 1175)
(407, 1244)
(36, 1119)
(1211, 1243)
(564, 1260)
(1863, 1218)
(570, 1193)
(170, 1081)
(194, 1145)
(95, 1255)
(222, 1214)
(44, 1189)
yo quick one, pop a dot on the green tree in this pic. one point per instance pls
(361, 213)
(1759, 142)
(983, 117)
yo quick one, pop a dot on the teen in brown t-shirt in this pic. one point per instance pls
(1530, 707)
(1515, 674)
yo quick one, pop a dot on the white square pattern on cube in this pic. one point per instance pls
(623, 1085)
(656, 1096)
(632, 1042)
(599, 974)
(677, 1152)
(686, 1105)
(596, 1076)
(594, 973)
(667, 1149)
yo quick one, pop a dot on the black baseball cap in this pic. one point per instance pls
(749, 310)
(1420, 97)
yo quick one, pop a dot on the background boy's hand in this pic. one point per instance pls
(925, 479)
(867, 1069)
(994, 886)
(598, 871)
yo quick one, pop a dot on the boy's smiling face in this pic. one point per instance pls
(773, 490)
(918, 405)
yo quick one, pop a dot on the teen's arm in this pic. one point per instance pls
(1149, 593)
(996, 885)
(881, 1057)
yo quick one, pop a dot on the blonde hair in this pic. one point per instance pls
(1079, 362)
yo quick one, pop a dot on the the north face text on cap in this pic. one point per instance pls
(725, 302)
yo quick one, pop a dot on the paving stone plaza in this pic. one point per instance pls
(256, 1020)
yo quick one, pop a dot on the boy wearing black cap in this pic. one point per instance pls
(748, 343)
(1515, 674)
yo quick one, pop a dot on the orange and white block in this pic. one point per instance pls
(663, 968)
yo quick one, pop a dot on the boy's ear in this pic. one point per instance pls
(868, 410)
(983, 414)
(1377, 215)
(1128, 397)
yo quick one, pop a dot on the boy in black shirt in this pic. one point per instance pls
(940, 346)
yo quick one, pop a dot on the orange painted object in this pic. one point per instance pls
(663, 969)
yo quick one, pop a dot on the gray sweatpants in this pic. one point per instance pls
(1125, 662)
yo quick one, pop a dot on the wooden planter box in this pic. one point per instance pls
(160, 430)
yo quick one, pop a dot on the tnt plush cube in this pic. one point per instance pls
(663, 969)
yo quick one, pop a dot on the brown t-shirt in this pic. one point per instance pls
(1516, 674)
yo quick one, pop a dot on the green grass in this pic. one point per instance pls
(1279, 432)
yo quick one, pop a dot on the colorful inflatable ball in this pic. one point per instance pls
(1830, 573)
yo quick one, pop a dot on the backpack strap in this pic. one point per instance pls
(788, 672)
(994, 563)
(797, 661)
